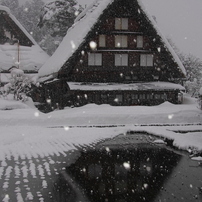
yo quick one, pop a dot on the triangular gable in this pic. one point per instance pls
(17, 46)
(75, 39)
(12, 25)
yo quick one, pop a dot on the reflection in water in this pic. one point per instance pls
(127, 174)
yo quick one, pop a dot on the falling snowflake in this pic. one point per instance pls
(66, 128)
(73, 45)
(36, 114)
(48, 101)
(126, 165)
(170, 116)
(93, 45)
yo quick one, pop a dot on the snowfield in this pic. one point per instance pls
(34, 145)
(27, 132)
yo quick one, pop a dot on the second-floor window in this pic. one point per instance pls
(102, 41)
(139, 41)
(121, 59)
(121, 41)
(121, 23)
(94, 59)
(146, 60)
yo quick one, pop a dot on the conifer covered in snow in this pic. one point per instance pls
(193, 66)
(58, 16)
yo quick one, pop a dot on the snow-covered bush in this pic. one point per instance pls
(200, 98)
(19, 85)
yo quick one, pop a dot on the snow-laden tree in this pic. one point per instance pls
(19, 85)
(200, 99)
(58, 16)
(28, 15)
(12, 4)
(49, 43)
(193, 66)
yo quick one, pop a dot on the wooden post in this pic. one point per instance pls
(18, 54)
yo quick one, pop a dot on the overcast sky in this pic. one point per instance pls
(180, 20)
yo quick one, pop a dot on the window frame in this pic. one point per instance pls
(145, 60)
(102, 40)
(122, 39)
(140, 41)
(119, 61)
(121, 23)
(92, 59)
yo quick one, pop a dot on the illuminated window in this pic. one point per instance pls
(94, 59)
(121, 59)
(146, 60)
(121, 41)
(121, 23)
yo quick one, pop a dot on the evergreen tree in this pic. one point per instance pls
(193, 67)
(28, 14)
(58, 16)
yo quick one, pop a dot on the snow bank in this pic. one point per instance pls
(30, 58)
(7, 103)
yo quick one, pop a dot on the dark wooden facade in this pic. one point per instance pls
(123, 46)
(163, 67)
(124, 97)
(51, 95)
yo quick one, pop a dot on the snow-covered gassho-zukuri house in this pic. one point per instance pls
(17, 47)
(115, 53)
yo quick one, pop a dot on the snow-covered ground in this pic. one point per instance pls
(26, 132)
(32, 142)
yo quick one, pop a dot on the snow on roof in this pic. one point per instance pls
(30, 58)
(163, 38)
(5, 77)
(77, 33)
(131, 86)
(7, 10)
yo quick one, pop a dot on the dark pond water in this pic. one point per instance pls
(131, 168)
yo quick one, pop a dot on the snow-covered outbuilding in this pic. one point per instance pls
(116, 41)
(17, 46)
